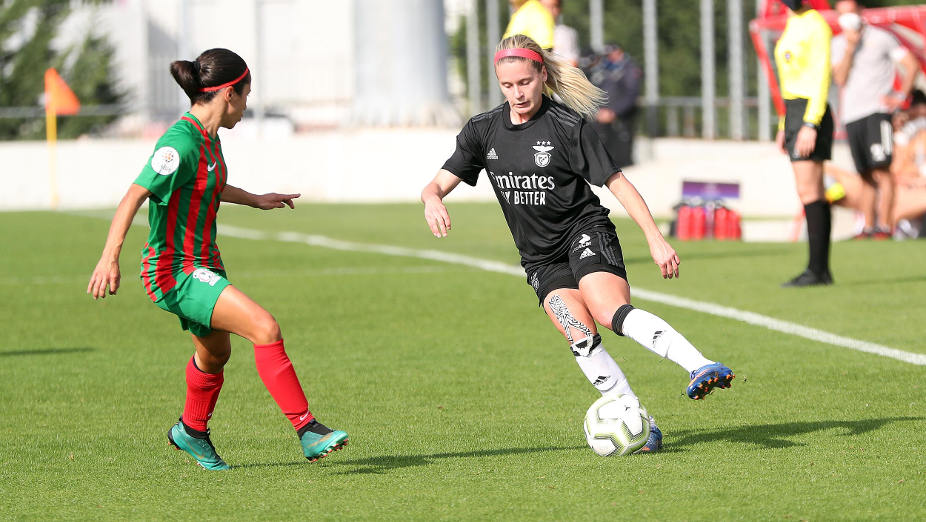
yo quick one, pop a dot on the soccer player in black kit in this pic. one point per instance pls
(541, 156)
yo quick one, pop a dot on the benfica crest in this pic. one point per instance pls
(542, 156)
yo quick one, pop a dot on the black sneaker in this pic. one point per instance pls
(808, 278)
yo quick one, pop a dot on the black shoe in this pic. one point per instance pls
(808, 278)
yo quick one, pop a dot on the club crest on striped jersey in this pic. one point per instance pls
(206, 276)
(165, 161)
(542, 156)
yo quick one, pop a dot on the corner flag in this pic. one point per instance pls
(59, 98)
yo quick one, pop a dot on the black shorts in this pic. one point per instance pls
(794, 120)
(596, 249)
(871, 142)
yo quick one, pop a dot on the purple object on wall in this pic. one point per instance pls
(710, 190)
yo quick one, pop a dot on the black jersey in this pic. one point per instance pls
(540, 171)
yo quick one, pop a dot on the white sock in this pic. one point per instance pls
(603, 372)
(656, 335)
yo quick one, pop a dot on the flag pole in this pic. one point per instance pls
(51, 135)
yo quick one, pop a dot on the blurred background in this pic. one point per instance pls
(360, 100)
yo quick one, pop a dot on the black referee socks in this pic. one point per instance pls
(819, 225)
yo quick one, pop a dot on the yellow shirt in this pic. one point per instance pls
(803, 58)
(532, 19)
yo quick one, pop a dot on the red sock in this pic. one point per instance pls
(202, 392)
(276, 370)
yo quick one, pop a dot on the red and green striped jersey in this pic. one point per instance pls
(186, 175)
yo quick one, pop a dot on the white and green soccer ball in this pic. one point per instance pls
(616, 424)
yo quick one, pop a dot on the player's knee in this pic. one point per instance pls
(602, 316)
(266, 330)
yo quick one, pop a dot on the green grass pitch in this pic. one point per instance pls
(461, 400)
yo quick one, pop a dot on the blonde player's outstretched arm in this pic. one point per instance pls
(435, 213)
(661, 251)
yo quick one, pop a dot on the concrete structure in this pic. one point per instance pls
(302, 52)
(316, 63)
(400, 64)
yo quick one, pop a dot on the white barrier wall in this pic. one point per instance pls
(378, 165)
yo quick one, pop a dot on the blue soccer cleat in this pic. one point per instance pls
(708, 377)
(201, 449)
(654, 441)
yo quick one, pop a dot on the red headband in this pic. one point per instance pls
(227, 84)
(520, 53)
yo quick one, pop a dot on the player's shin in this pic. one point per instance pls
(599, 367)
(657, 336)
(202, 392)
(277, 373)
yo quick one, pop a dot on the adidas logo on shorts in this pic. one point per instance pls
(586, 253)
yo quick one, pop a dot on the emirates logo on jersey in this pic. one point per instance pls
(542, 156)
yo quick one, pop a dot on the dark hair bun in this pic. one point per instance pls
(186, 74)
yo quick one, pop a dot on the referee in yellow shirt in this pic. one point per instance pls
(802, 55)
(532, 19)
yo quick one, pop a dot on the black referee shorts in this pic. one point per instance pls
(794, 120)
(595, 249)
(871, 141)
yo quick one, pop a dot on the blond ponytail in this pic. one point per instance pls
(568, 82)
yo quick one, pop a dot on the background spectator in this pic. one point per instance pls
(864, 59)
(565, 38)
(619, 76)
(908, 168)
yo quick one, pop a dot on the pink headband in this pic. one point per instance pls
(227, 84)
(520, 53)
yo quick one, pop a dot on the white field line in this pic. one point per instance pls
(690, 304)
(752, 318)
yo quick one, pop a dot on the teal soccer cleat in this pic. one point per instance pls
(708, 377)
(201, 449)
(318, 445)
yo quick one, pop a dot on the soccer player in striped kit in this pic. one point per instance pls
(540, 157)
(182, 270)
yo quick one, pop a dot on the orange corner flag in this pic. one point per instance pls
(59, 98)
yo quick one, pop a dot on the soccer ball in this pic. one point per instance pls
(616, 424)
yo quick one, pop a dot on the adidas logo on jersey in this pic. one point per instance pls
(587, 253)
(492, 155)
